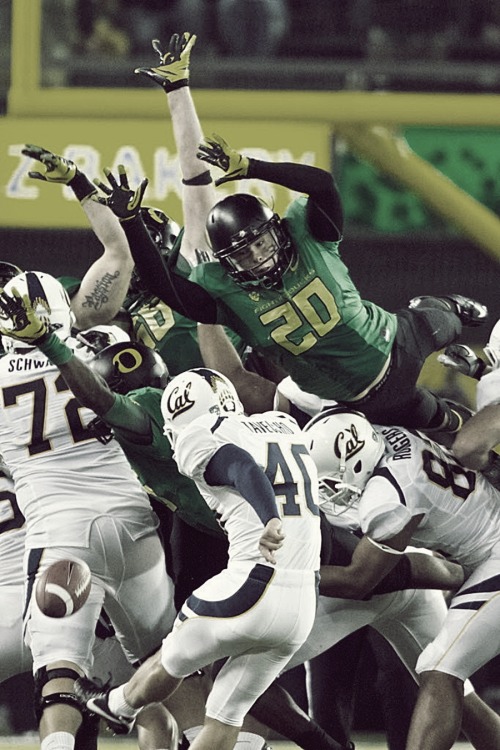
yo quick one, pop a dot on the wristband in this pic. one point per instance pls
(205, 178)
(54, 349)
(173, 86)
(81, 185)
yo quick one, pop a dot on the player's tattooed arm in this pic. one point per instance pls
(105, 284)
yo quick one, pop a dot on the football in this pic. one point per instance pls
(63, 588)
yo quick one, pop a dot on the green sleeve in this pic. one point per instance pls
(130, 418)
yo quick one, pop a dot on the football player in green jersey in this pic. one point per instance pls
(281, 284)
(112, 282)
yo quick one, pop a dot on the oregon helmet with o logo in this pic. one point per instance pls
(126, 366)
(241, 220)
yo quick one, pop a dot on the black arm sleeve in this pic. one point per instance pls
(184, 296)
(236, 468)
(324, 208)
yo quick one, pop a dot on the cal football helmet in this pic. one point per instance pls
(129, 365)
(345, 448)
(241, 220)
(163, 231)
(492, 348)
(7, 272)
(50, 301)
(196, 392)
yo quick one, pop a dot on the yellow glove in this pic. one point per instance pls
(26, 325)
(173, 72)
(57, 169)
(218, 153)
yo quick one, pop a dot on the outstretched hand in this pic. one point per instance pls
(220, 154)
(57, 169)
(173, 71)
(271, 540)
(26, 325)
(120, 197)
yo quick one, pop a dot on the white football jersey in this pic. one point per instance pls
(276, 443)
(63, 476)
(12, 534)
(416, 475)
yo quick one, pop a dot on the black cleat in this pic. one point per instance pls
(470, 312)
(95, 698)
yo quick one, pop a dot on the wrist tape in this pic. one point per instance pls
(205, 178)
(81, 185)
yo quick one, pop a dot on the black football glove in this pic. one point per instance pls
(463, 359)
(173, 71)
(120, 198)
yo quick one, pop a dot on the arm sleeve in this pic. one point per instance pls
(130, 419)
(183, 296)
(236, 468)
(324, 207)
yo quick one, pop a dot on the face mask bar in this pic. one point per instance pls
(340, 495)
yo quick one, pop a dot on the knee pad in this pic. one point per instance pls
(42, 677)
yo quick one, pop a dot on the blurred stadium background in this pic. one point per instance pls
(399, 98)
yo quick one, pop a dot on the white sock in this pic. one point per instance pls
(58, 741)
(192, 732)
(119, 705)
(249, 741)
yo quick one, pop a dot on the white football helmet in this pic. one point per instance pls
(50, 302)
(492, 348)
(194, 393)
(345, 448)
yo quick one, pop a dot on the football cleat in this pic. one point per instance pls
(470, 312)
(95, 698)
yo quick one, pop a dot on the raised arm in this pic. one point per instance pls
(180, 294)
(324, 207)
(104, 286)
(198, 195)
(86, 385)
